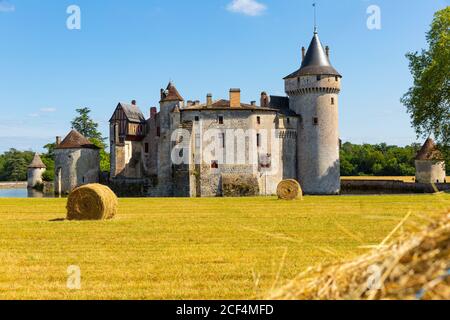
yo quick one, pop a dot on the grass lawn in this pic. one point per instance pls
(191, 248)
(400, 178)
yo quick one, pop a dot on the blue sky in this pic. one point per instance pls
(130, 49)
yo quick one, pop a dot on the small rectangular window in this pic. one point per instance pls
(220, 119)
(158, 132)
(146, 148)
(288, 120)
(222, 139)
(258, 140)
(316, 121)
(319, 78)
(332, 101)
(337, 78)
(258, 120)
(197, 118)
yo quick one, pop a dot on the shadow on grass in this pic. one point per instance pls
(57, 220)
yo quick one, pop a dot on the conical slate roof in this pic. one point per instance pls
(170, 94)
(316, 61)
(75, 140)
(37, 162)
(429, 151)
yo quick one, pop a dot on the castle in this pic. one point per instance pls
(227, 147)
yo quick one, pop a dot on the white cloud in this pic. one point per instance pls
(247, 7)
(5, 6)
(47, 110)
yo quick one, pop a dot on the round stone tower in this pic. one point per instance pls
(77, 162)
(35, 171)
(313, 94)
(430, 164)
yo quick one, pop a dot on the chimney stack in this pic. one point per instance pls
(58, 141)
(235, 98)
(327, 50)
(303, 53)
(153, 112)
(209, 100)
(133, 102)
(265, 100)
(253, 103)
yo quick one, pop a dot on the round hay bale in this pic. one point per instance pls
(91, 202)
(289, 190)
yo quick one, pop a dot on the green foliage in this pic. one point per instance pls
(378, 160)
(428, 101)
(85, 125)
(48, 160)
(13, 165)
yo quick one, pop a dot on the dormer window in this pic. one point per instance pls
(220, 119)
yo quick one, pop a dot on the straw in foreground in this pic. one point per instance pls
(416, 266)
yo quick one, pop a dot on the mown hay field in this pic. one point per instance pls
(221, 248)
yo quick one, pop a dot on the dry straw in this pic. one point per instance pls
(91, 202)
(289, 190)
(414, 267)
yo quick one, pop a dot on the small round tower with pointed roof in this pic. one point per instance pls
(430, 164)
(313, 94)
(35, 171)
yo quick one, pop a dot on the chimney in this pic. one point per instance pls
(133, 102)
(327, 50)
(303, 53)
(209, 100)
(265, 100)
(196, 102)
(190, 103)
(253, 103)
(58, 141)
(153, 112)
(235, 98)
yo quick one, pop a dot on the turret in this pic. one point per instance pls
(35, 171)
(313, 94)
(169, 119)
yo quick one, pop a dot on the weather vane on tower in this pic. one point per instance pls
(315, 16)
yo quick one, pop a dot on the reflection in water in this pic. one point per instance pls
(23, 193)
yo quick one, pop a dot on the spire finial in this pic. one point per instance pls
(315, 17)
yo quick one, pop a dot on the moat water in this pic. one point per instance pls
(23, 193)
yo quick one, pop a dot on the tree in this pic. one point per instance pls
(85, 125)
(14, 165)
(48, 160)
(428, 100)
